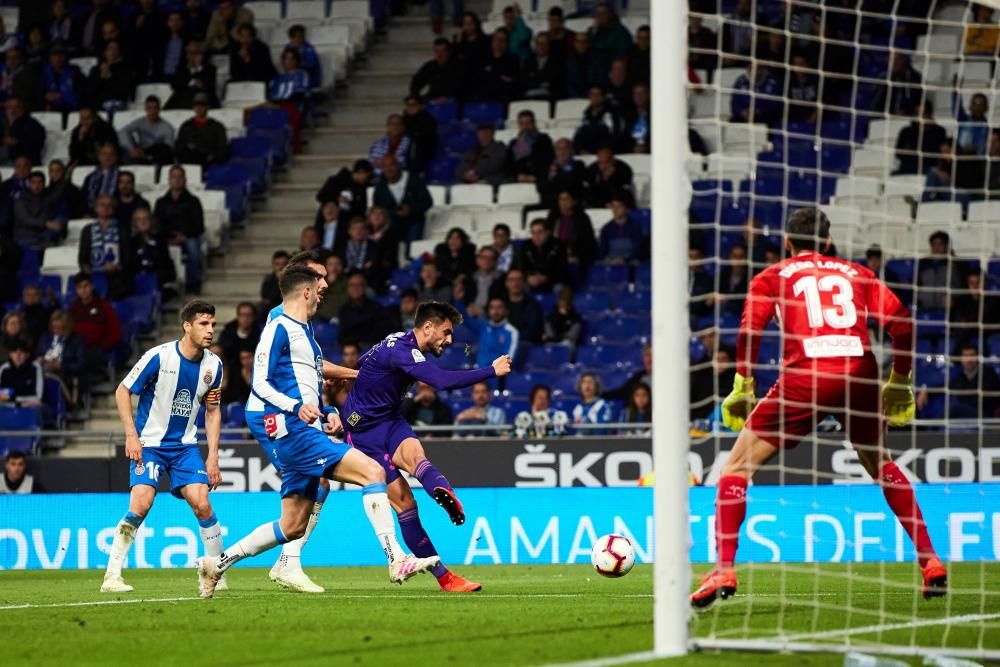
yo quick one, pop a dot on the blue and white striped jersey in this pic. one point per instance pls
(287, 369)
(170, 388)
(278, 311)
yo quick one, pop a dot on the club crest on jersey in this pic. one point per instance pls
(418, 356)
(181, 407)
(208, 378)
(140, 469)
(319, 365)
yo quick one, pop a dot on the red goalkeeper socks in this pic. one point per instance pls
(730, 510)
(899, 494)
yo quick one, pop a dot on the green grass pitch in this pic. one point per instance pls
(526, 615)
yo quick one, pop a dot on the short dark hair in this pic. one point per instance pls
(246, 304)
(556, 11)
(36, 174)
(247, 26)
(297, 29)
(873, 251)
(436, 312)
(82, 277)
(15, 454)
(294, 53)
(526, 113)
(538, 221)
(126, 172)
(808, 229)
(278, 254)
(196, 307)
(501, 226)
(409, 292)
(19, 343)
(442, 41)
(940, 236)
(154, 98)
(304, 257)
(968, 345)
(537, 388)
(294, 277)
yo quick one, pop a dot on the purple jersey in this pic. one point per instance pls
(388, 370)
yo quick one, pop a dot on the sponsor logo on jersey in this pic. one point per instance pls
(321, 462)
(821, 347)
(418, 356)
(319, 366)
(354, 419)
(181, 407)
(261, 357)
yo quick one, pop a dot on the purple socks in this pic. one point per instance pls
(416, 539)
(429, 477)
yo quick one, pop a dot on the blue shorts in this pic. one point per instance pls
(302, 456)
(380, 443)
(183, 463)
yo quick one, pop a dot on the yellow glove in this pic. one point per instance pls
(897, 400)
(737, 406)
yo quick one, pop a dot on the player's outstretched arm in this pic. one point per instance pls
(332, 371)
(442, 379)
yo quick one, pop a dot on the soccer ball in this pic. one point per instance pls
(613, 556)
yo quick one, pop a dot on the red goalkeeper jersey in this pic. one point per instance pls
(822, 305)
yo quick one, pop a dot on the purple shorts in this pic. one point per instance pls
(380, 443)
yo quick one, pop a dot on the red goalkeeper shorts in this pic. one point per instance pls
(805, 395)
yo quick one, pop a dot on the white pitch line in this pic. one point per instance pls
(625, 659)
(92, 603)
(888, 627)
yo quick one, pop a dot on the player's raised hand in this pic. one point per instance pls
(737, 406)
(502, 365)
(133, 449)
(309, 413)
(897, 400)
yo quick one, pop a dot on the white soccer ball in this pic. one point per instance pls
(613, 556)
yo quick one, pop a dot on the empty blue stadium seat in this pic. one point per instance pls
(592, 302)
(644, 274)
(404, 278)
(459, 404)
(484, 112)
(547, 300)
(19, 419)
(146, 283)
(697, 350)
(934, 409)
(549, 355)
(462, 334)
(442, 172)
(604, 275)
(931, 323)
(514, 406)
(325, 333)
(608, 354)
(993, 345)
(835, 158)
(764, 378)
(236, 415)
(612, 329)
(235, 181)
(520, 384)
(904, 268)
(930, 372)
(30, 262)
(564, 382)
(926, 346)
(53, 397)
(636, 302)
(254, 153)
(443, 112)
(278, 139)
(454, 358)
(459, 141)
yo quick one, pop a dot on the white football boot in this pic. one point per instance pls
(295, 579)
(410, 566)
(115, 584)
(208, 575)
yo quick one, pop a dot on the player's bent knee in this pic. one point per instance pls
(372, 473)
(203, 509)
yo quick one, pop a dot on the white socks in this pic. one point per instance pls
(124, 536)
(263, 537)
(379, 511)
(211, 535)
(292, 551)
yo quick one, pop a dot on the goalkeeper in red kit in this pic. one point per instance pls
(822, 304)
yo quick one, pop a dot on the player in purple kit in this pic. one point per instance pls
(376, 427)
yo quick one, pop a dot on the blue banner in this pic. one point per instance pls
(545, 525)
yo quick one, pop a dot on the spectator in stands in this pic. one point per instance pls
(182, 222)
(18, 79)
(734, 280)
(542, 260)
(10, 190)
(974, 388)
(874, 262)
(34, 222)
(592, 409)
(111, 83)
(471, 48)
(973, 308)
(993, 166)
(638, 59)
(290, 91)
(904, 91)
(96, 322)
(62, 27)
(475, 290)
(803, 92)
(14, 329)
(405, 197)
(618, 88)
(394, 142)
(104, 245)
(239, 376)
(421, 127)
(497, 336)
(701, 286)
(21, 380)
(583, 69)
(641, 376)
(308, 58)
(738, 35)
(938, 273)
(639, 120)
(270, 294)
(609, 39)
(481, 412)
(88, 137)
(531, 151)
(192, 77)
(104, 179)
(756, 96)
(35, 313)
(332, 234)
(456, 255)
(62, 354)
(362, 321)
(10, 263)
(564, 324)
(148, 252)
(622, 240)
(222, 35)
(606, 177)
(348, 191)
(432, 286)
(309, 239)
(499, 79)
(196, 21)
(426, 409)
(62, 86)
(360, 253)
(503, 247)
(544, 73)
(201, 140)
(242, 333)
(440, 78)
(129, 201)
(149, 139)
(571, 225)
(918, 143)
(385, 236)
(111, 32)
(66, 200)
(561, 39)
(518, 32)
(938, 185)
(486, 161)
(602, 125)
(22, 134)
(982, 35)
(639, 407)
(15, 478)
(249, 58)
(564, 174)
(336, 289)
(522, 310)
(702, 44)
(159, 42)
(93, 25)
(973, 127)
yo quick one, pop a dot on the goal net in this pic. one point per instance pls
(886, 116)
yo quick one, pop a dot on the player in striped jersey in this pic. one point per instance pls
(171, 381)
(285, 410)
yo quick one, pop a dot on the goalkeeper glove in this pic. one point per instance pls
(737, 406)
(897, 400)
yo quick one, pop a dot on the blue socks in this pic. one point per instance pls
(209, 522)
(133, 519)
(429, 477)
(321, 493)
(417, 540)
